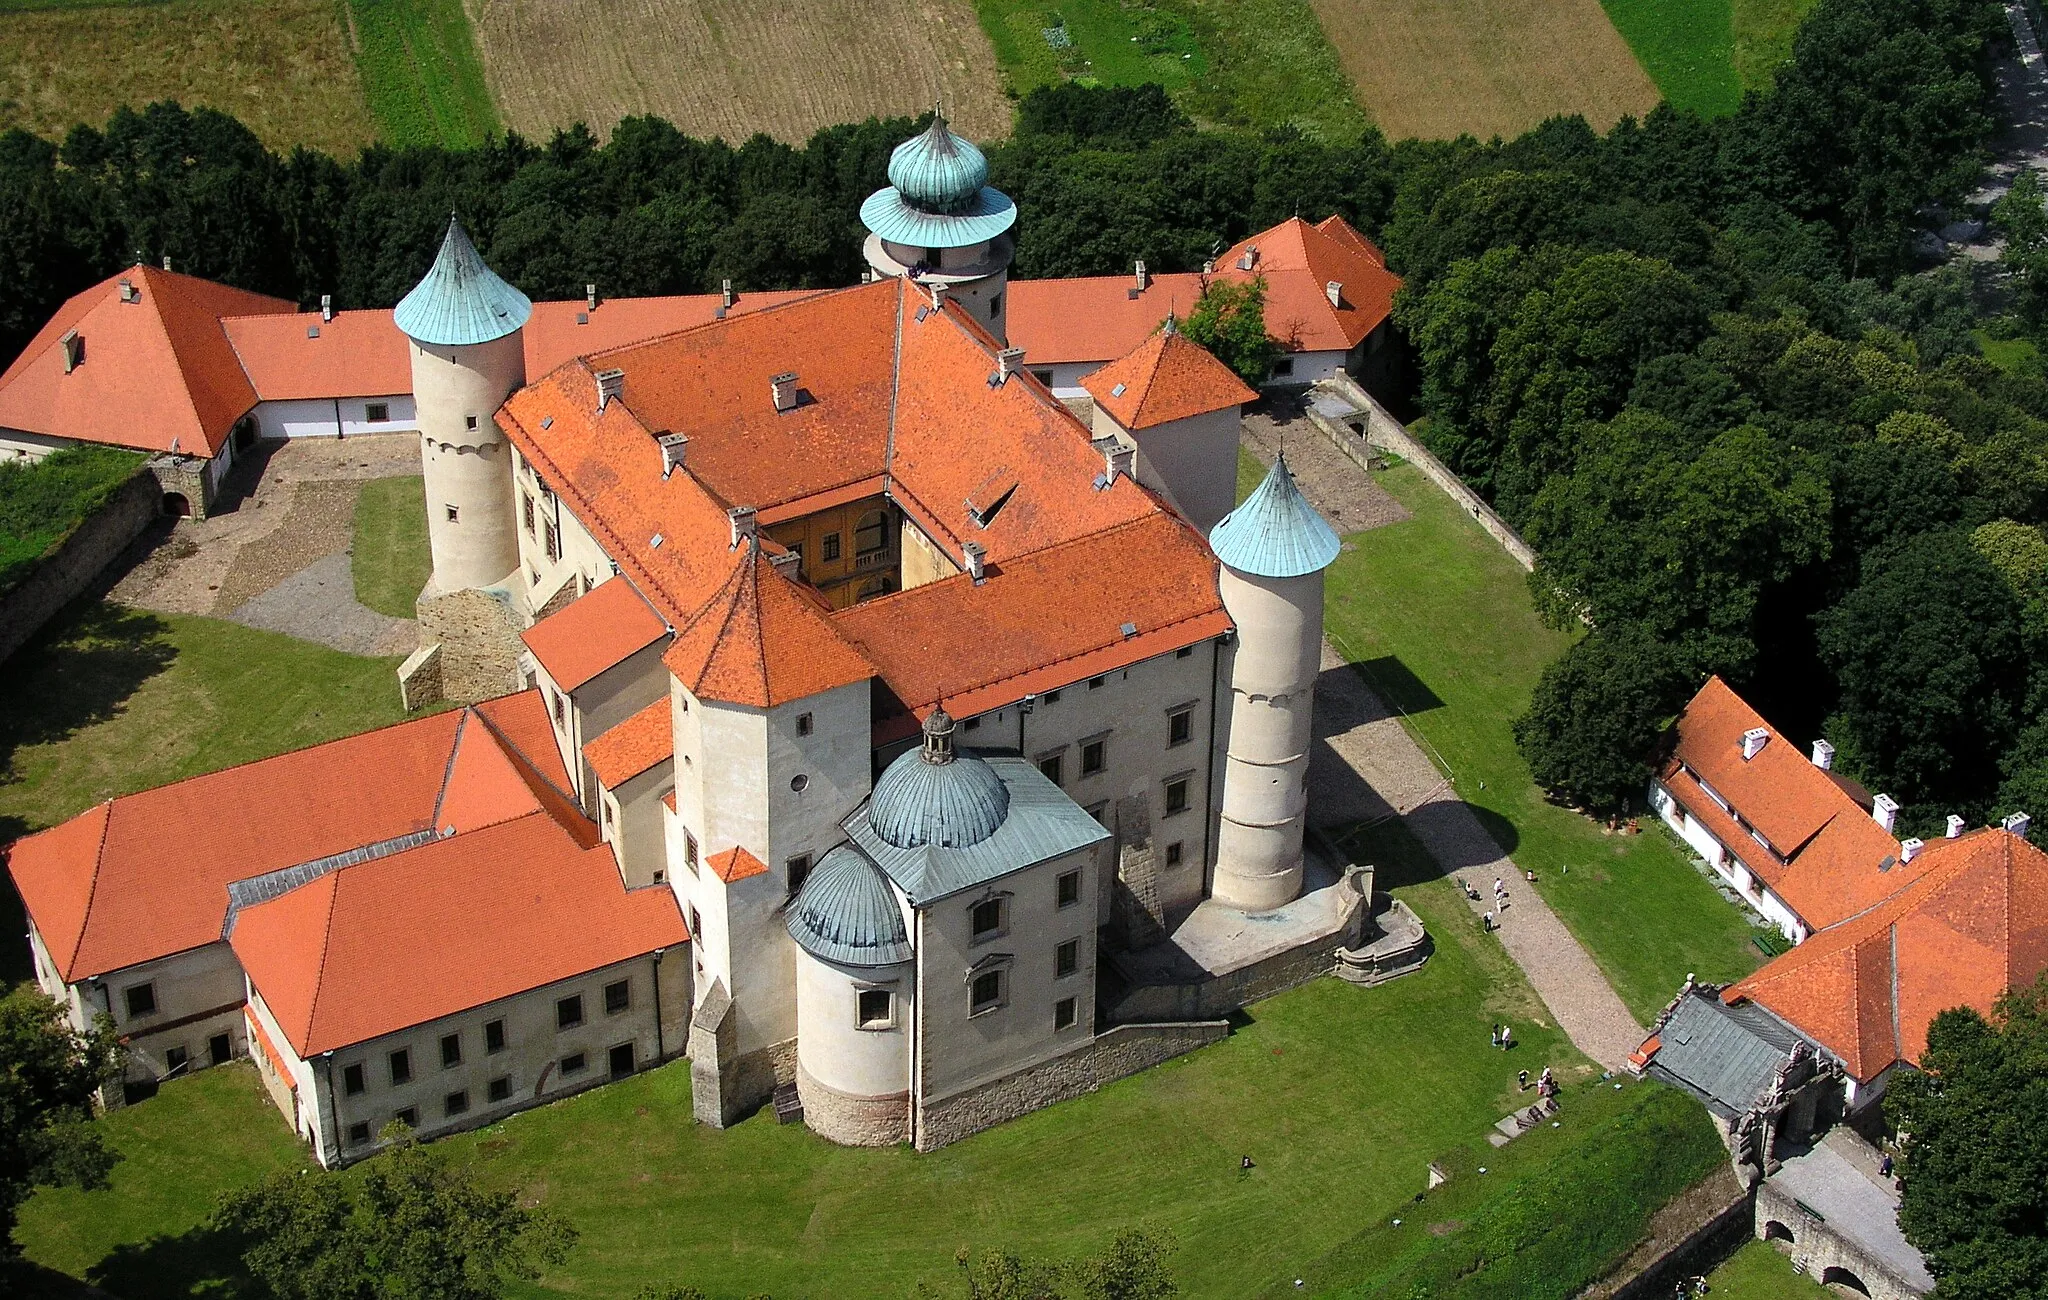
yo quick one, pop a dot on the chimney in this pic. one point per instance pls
(976, 554)
(167, 261)
(1884, 810)
(611, 385)
(726, 296)
(1334, 291)
(783, 389)
(1823, 755)
(590, 297)
(1208, 266)
(1753, 742)
(1142, 277)
(129, 292)
(1911, 849)
(2017, 824)
(1117, 458)
(938, 295)
(744, 525)
(787, 563)
(1248, 259)
(672, 448)
(326, 306)
(1008, 362)
(1955, 827)
(74, 350)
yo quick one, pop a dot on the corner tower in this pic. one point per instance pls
(1274, 549)
(463, 325)
(938, 222)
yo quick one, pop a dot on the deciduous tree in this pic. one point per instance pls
(48, 1073)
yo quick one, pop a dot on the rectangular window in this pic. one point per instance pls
(689, 850)
(875, 1009)
(1176, 796)
(494, 1036)
(220, 1049)
(1051, 767)
(500, 1089)
(527, 512)
(986, 920)
(1180, 727)
(401, 1067)
(1173, 854)
(1094, 757)
(352, 1080)
(469, 422)
(455, 1103)
(617, 997)
(1043, 377)
(569, 1011)
(561, 708)
(805, 724)
(1052, 697)
(1067, 889)
(1100, 812)
(620, 1059)
(451, 1051)
(799, 869)
(358, 1134)
(1095, 683)
(871, 537)
(377, 412)
(551, 539)
(1066, 959)
(408, 1117)
(986, 993)
(829, 549)
(141, 1000)
(575, 1064)
(1183, 652)
(175, 1059)
(1064, 1013)
(995, 306)
(1283, 367)
(454, 515)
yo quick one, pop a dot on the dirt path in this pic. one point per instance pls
(1367, 766)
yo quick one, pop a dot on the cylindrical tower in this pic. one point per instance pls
(464, 325)
(856, 990)
(1274, 549)
(939, 222)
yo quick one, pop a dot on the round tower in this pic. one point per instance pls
(938, 222)
(1274, 549)
(856, 986)
(464, 326)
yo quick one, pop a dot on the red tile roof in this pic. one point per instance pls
(1096, 319)
(633, 746)
(554, 336)
(734, 865)
(356, 354)
(759, 641)
(158, 371)
(1168, 377)
(1836, 860)
(1970, 925)
(598, 630)
(376, 947)
(146, 875)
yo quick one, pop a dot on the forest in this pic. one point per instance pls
(1693, 360)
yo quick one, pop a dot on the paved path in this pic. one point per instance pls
(318, 603)
(1365, 765)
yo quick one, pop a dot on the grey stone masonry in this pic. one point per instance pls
(1136, 909)
(478, 632)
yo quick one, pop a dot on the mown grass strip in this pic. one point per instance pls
(1687, 47)
(389, 557)
(421, 73)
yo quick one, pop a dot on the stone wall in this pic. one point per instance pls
(70, 571)
(1819, 1251)
(186, 476)
(853, 1121)
(1111, 1055)
(478, 631)
(726, 1087)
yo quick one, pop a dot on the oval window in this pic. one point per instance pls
(798, 782)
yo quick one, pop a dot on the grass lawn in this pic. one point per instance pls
(1687, 47)
(420, 71)
(281, 66)
(41, 503)
(2013, 356)
(1763, 37)
(1342, 1097)
(1258, 63)
(1759, 1272)
(1441, 618)
(390, 558)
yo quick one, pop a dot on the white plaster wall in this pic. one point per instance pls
(1273, 673)
(608, 699)
(18, 445)
(634, 828)
(1192, 462)
(832, 1046)
(582, 559)
(324, 417)
(1308, 368)
(956, 1051)
(199, 994)
(468, 468)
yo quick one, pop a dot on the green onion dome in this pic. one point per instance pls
(938, 171)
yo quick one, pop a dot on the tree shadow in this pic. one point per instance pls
(21, 1277)
(201, 1261)
(79, 671)
(1400, 689)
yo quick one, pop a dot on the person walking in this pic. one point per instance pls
(1496, 1034)
(1522, 1081)
(1507, 1038)
(1486, 920)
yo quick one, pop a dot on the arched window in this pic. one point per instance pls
(872, 536)
(1776, 1231)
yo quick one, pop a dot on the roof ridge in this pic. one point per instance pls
(326, 943)
(802, 296)
(520, 757)
(99, 857)
(1158, 361)
(448, 767)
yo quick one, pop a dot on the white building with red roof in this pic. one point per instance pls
(920, 700)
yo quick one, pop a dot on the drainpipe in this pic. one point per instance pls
(333, 1115)
(660, 1053)
(1209, 776)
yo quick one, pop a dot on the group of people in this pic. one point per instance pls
(1500, 899)
(1546, 1084)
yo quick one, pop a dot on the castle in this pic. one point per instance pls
(859, 700)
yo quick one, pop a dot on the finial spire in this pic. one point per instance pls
(938, 737)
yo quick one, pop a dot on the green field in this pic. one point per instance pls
(1687, 47)
(1440, 619)
(389, 557)
(1256, 63)
(1763, 37)
(1759, 1272)
(421, 73)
